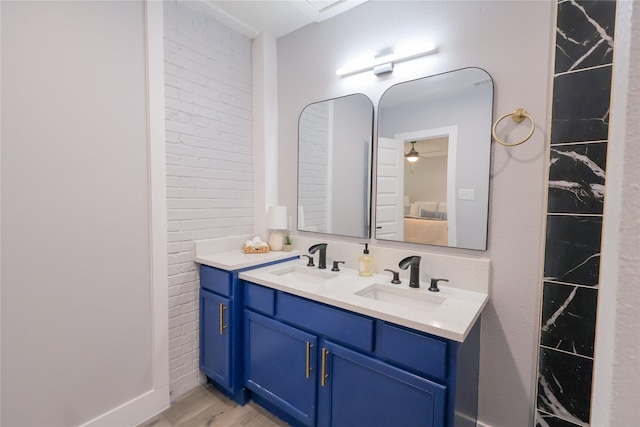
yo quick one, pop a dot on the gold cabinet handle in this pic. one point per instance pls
(222, 325)
(309, 368)
(324, 374)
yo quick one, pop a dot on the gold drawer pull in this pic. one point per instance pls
(324, 375)
(309, 369)
(222, 325)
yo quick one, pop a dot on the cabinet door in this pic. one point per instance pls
(280, 366)
(215, 338)
(361, 391)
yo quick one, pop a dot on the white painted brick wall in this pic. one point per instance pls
(208, 93)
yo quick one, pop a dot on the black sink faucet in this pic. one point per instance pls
(414, 262)
(322, 259)
(434, 284)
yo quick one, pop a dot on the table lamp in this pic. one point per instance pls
(277, 220)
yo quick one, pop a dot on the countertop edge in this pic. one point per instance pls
(236, 260)
(458, 335)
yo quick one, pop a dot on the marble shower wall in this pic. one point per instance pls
(577, 172)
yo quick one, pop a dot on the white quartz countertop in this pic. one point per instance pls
(236, 259)
(450, 313)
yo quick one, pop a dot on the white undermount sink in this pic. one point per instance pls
(304, 274)
(403, 297)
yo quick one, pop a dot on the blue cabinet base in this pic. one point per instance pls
(241, 397)
(221, 311)
(275, 410)
(367, 372)
(311, 364)
(278, 363)
(361, 390)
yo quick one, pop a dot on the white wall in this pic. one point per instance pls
(77, 310)
(617, 358)
(626, 364)
(208, 95)
(423, 179)
(477, 34)
(352, 145)
(265, 129)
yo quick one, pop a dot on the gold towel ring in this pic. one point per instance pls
(518, 116)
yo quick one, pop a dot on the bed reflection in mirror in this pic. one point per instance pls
(434, 148)
(425, 221)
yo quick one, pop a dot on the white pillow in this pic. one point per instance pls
(414, 209)
(442, 207)
(428, 206)
(417, 206)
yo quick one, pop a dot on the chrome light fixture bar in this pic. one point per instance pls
(384, 63)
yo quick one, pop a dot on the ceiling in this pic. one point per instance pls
(275, 17)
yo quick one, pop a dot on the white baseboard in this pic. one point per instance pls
(134, 411)
(481, 424)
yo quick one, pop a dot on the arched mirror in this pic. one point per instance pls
(334, 166)
(434, 150)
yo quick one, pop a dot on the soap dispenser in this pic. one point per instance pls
(365, 264)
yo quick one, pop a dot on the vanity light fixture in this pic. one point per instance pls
(383, 63)
(413, 154)
(383, 69)
(277, 220)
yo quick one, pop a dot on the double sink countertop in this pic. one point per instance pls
(450, 313)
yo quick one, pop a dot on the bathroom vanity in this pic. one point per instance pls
(221, 311)
(322, 348)
(314, 364)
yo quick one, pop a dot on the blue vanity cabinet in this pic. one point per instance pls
(358, 390)
(280, 367)
(361, 371)
(215, 351)
(220, 333)
(221, 316)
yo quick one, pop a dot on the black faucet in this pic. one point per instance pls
(414, 262)
(322, 259)
(434, 284)
(396, 276)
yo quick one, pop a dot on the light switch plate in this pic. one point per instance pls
(466, 194)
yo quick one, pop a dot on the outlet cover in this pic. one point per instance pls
(466, 194)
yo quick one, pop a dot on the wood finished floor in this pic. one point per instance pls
(206, 407)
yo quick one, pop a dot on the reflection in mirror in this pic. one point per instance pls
(439, 196)
(334, 166)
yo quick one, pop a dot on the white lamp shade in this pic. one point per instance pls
(277, 218)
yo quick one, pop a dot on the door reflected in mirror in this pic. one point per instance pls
(334, 166)
(434, 149)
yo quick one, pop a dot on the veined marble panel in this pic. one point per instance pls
(581, 106)
(564, 385)
(580, 114)
(568, 318)
(547, 420)
(577, 178)
(584, 34)
(572, 253)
